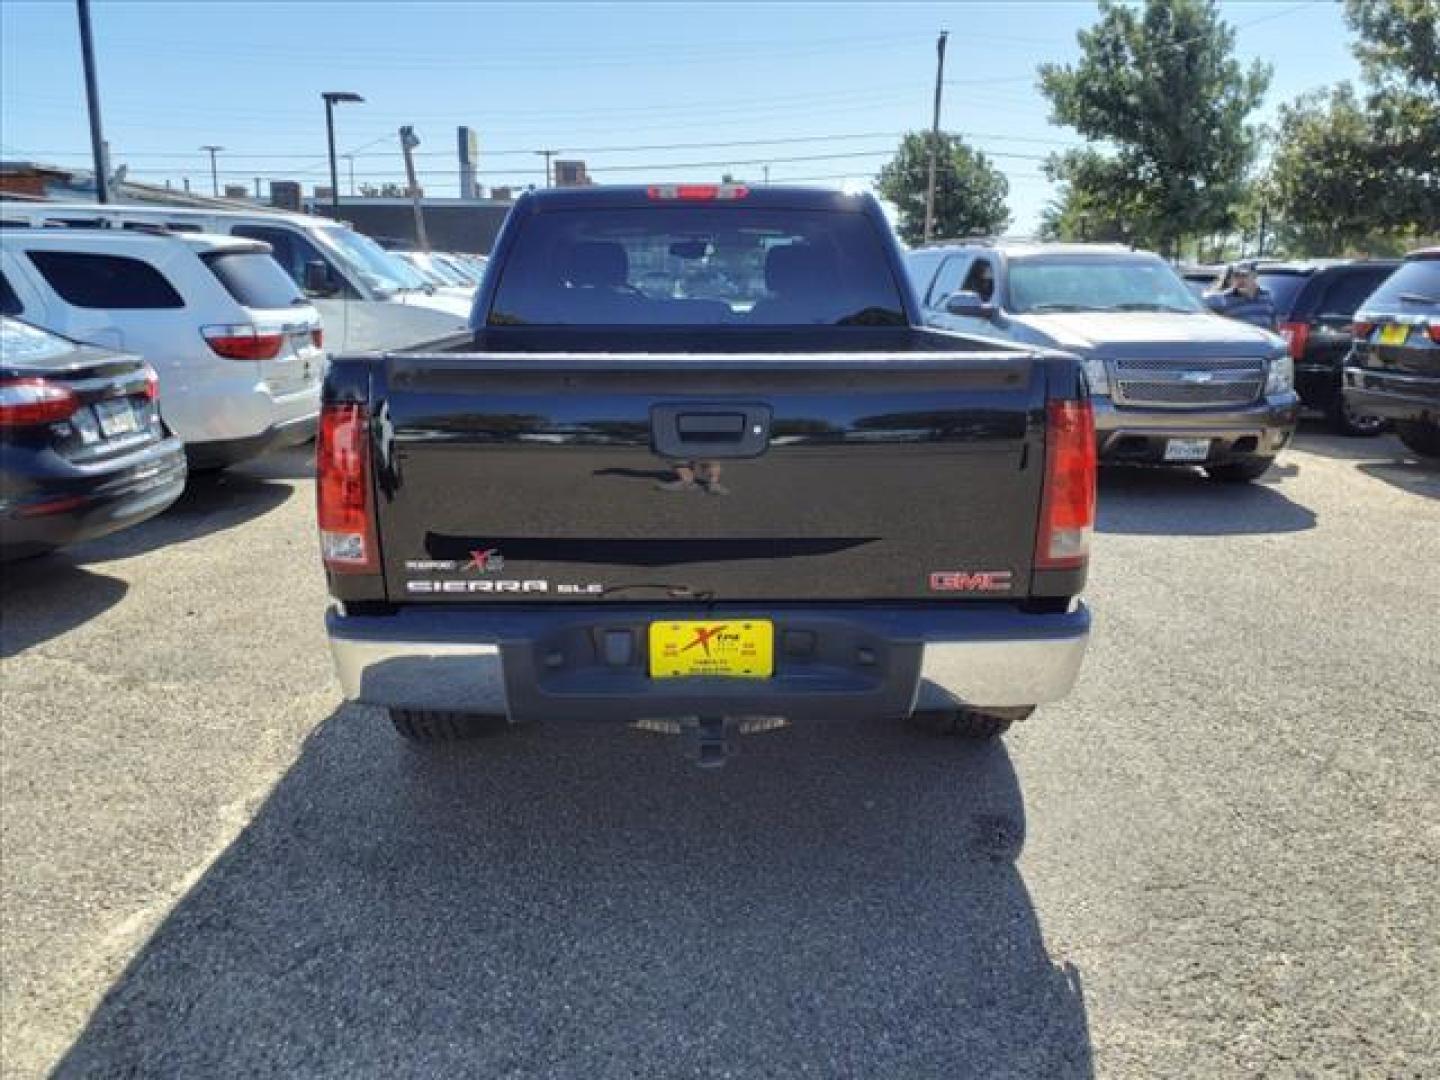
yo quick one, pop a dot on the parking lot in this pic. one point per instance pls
(1217, 858)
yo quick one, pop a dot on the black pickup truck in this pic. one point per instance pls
(699, 461)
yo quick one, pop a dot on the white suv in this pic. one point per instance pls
(370, 300)
(238, 351)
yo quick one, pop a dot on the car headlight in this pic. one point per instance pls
(1095, 374)
(1281, 376)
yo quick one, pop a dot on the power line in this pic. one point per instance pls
(646, 147)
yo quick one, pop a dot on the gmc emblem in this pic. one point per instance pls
(964, 581)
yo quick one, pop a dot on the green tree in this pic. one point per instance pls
(1363, 174)
(1160, 85)
(1323, 177)
(1398, 45)
(969, 191)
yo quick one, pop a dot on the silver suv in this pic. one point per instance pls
(1174, 384)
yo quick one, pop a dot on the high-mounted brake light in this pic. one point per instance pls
(1067, 504)
(24, 402)
(1296, 335)
(342, 483)
(699, 192)
(242, 342)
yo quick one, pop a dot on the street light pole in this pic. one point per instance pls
(935, 135)
(333, 98)
(92, 101)
(350, 160)
(214, 176)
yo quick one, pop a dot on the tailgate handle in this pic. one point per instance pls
(711, 429)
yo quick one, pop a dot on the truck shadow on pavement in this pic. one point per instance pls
(1184, 502)
(571, 901)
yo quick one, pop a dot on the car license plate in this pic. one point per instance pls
(1394, 334)
(116, 418)
(735, 648)
(1187, 449)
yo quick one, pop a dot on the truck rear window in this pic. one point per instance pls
(697, 266)
(253, 278)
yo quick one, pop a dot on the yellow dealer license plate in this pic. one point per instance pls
(736, 648)
(1394, 334)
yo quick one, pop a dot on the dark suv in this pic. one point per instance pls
(1394, 368)
(1315, 304)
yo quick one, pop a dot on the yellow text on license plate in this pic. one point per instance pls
(735, 648)
(1394, 334)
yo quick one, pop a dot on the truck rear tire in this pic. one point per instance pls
(1423, 438)
(1240, 472)
(433, 726)
(970, 723)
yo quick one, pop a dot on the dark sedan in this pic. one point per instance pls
(83, 451)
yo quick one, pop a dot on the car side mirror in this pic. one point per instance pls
(968, 305)
(319, 281)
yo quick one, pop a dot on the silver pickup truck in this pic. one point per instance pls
(1172, 383)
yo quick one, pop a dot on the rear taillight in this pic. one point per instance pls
(1361, 330)
(242, 342)
(152, 383)
(317, 337)
(1296, 335)
(1434, 331)
(342, 481)
(699, 192)
(25, 402)
(1067, 505)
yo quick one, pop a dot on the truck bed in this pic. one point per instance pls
(907, 470)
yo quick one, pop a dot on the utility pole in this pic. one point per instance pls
(1264, 224)
(214, 175)
(547, 155)
(333, 98)
(408, 142)
(935, 134)
(92, 101)
(767, 175)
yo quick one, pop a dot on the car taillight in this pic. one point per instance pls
(24, 402)
(1361, 330)
(1434, 331)
(342, 484)
(1067, 504)
(1296, 334)
(242, 342)
(317, 337)
(698, 191)
(152, 383)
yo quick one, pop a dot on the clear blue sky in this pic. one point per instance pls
(831, 83)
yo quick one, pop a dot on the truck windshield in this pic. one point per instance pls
(1097, 283)
(697, 266)
(379, 269)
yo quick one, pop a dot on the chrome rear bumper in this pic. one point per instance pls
(535, 663)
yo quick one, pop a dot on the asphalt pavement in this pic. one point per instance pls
(1219, 857)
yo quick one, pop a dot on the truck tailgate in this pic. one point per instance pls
(532, 478)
